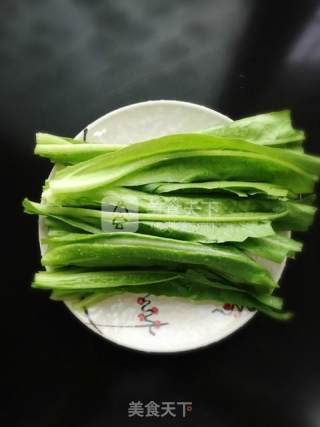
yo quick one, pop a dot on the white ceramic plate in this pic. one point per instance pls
(146, 322)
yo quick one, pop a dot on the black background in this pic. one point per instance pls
(64, 63)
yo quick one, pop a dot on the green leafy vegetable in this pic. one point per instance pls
(275, 248)
(185, 216)
(187, 158)
(216, 228)
(273, 129)
(241, 189)
(161, 217)
(195, 292)
(202, 232)
(71, 154)
(134, 250)
(93, 280)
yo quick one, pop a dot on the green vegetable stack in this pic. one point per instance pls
(184, 215)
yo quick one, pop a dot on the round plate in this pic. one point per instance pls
(146, 322)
